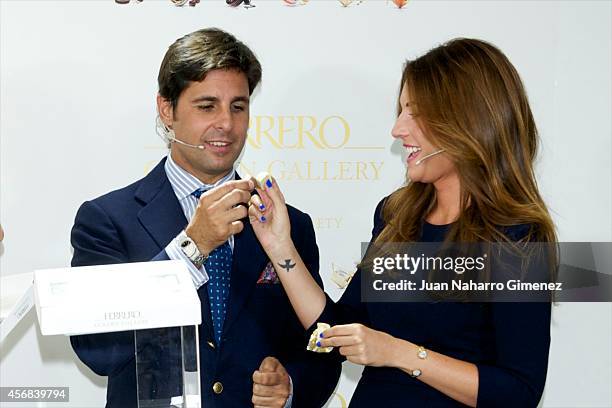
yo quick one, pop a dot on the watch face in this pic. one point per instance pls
(188, 248)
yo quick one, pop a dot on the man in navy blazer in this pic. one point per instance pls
(191, 207)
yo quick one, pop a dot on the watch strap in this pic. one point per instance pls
(190, 250)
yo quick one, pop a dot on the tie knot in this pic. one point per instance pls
(198, 193)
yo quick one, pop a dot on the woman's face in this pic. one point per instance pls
(407, 129)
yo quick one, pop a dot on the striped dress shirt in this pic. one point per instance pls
(183, 184)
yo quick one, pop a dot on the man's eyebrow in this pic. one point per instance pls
(206, 98)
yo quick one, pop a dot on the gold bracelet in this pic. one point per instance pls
(421, 352)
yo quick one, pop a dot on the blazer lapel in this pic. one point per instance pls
(163, 216)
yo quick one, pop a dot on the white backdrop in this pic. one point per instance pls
(78, 85)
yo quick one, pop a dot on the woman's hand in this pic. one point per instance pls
(269, 217)
(360, 344)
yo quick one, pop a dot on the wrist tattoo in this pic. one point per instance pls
(287, 265)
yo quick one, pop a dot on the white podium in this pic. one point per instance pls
(155, 299)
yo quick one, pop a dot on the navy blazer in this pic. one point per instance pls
(508, 342)
(134, 224)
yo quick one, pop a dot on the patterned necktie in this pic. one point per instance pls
(198, 193)
(218, 267)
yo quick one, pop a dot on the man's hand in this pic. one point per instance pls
(218, 214)
(271, 384)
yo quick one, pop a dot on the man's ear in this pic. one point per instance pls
(164, 108)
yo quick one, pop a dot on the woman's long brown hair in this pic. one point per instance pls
(469, 100)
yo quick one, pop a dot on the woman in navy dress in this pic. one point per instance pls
(471, 141)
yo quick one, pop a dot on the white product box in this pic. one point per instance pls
(109, 298)
(16, 300)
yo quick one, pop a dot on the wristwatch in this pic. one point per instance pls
(190, 249)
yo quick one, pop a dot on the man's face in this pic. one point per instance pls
(213, 113)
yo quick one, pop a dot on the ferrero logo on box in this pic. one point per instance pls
(122, 315)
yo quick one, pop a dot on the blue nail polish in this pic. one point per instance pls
(321, 335)
(318, 344)
(263, 219)
(262, 207)
(269, 183)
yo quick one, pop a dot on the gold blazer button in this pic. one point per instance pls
(217, 388)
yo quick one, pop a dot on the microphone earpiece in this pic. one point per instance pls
(168, 136)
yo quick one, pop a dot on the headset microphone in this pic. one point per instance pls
(174, 139)
(421, 160)
(167, 135)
